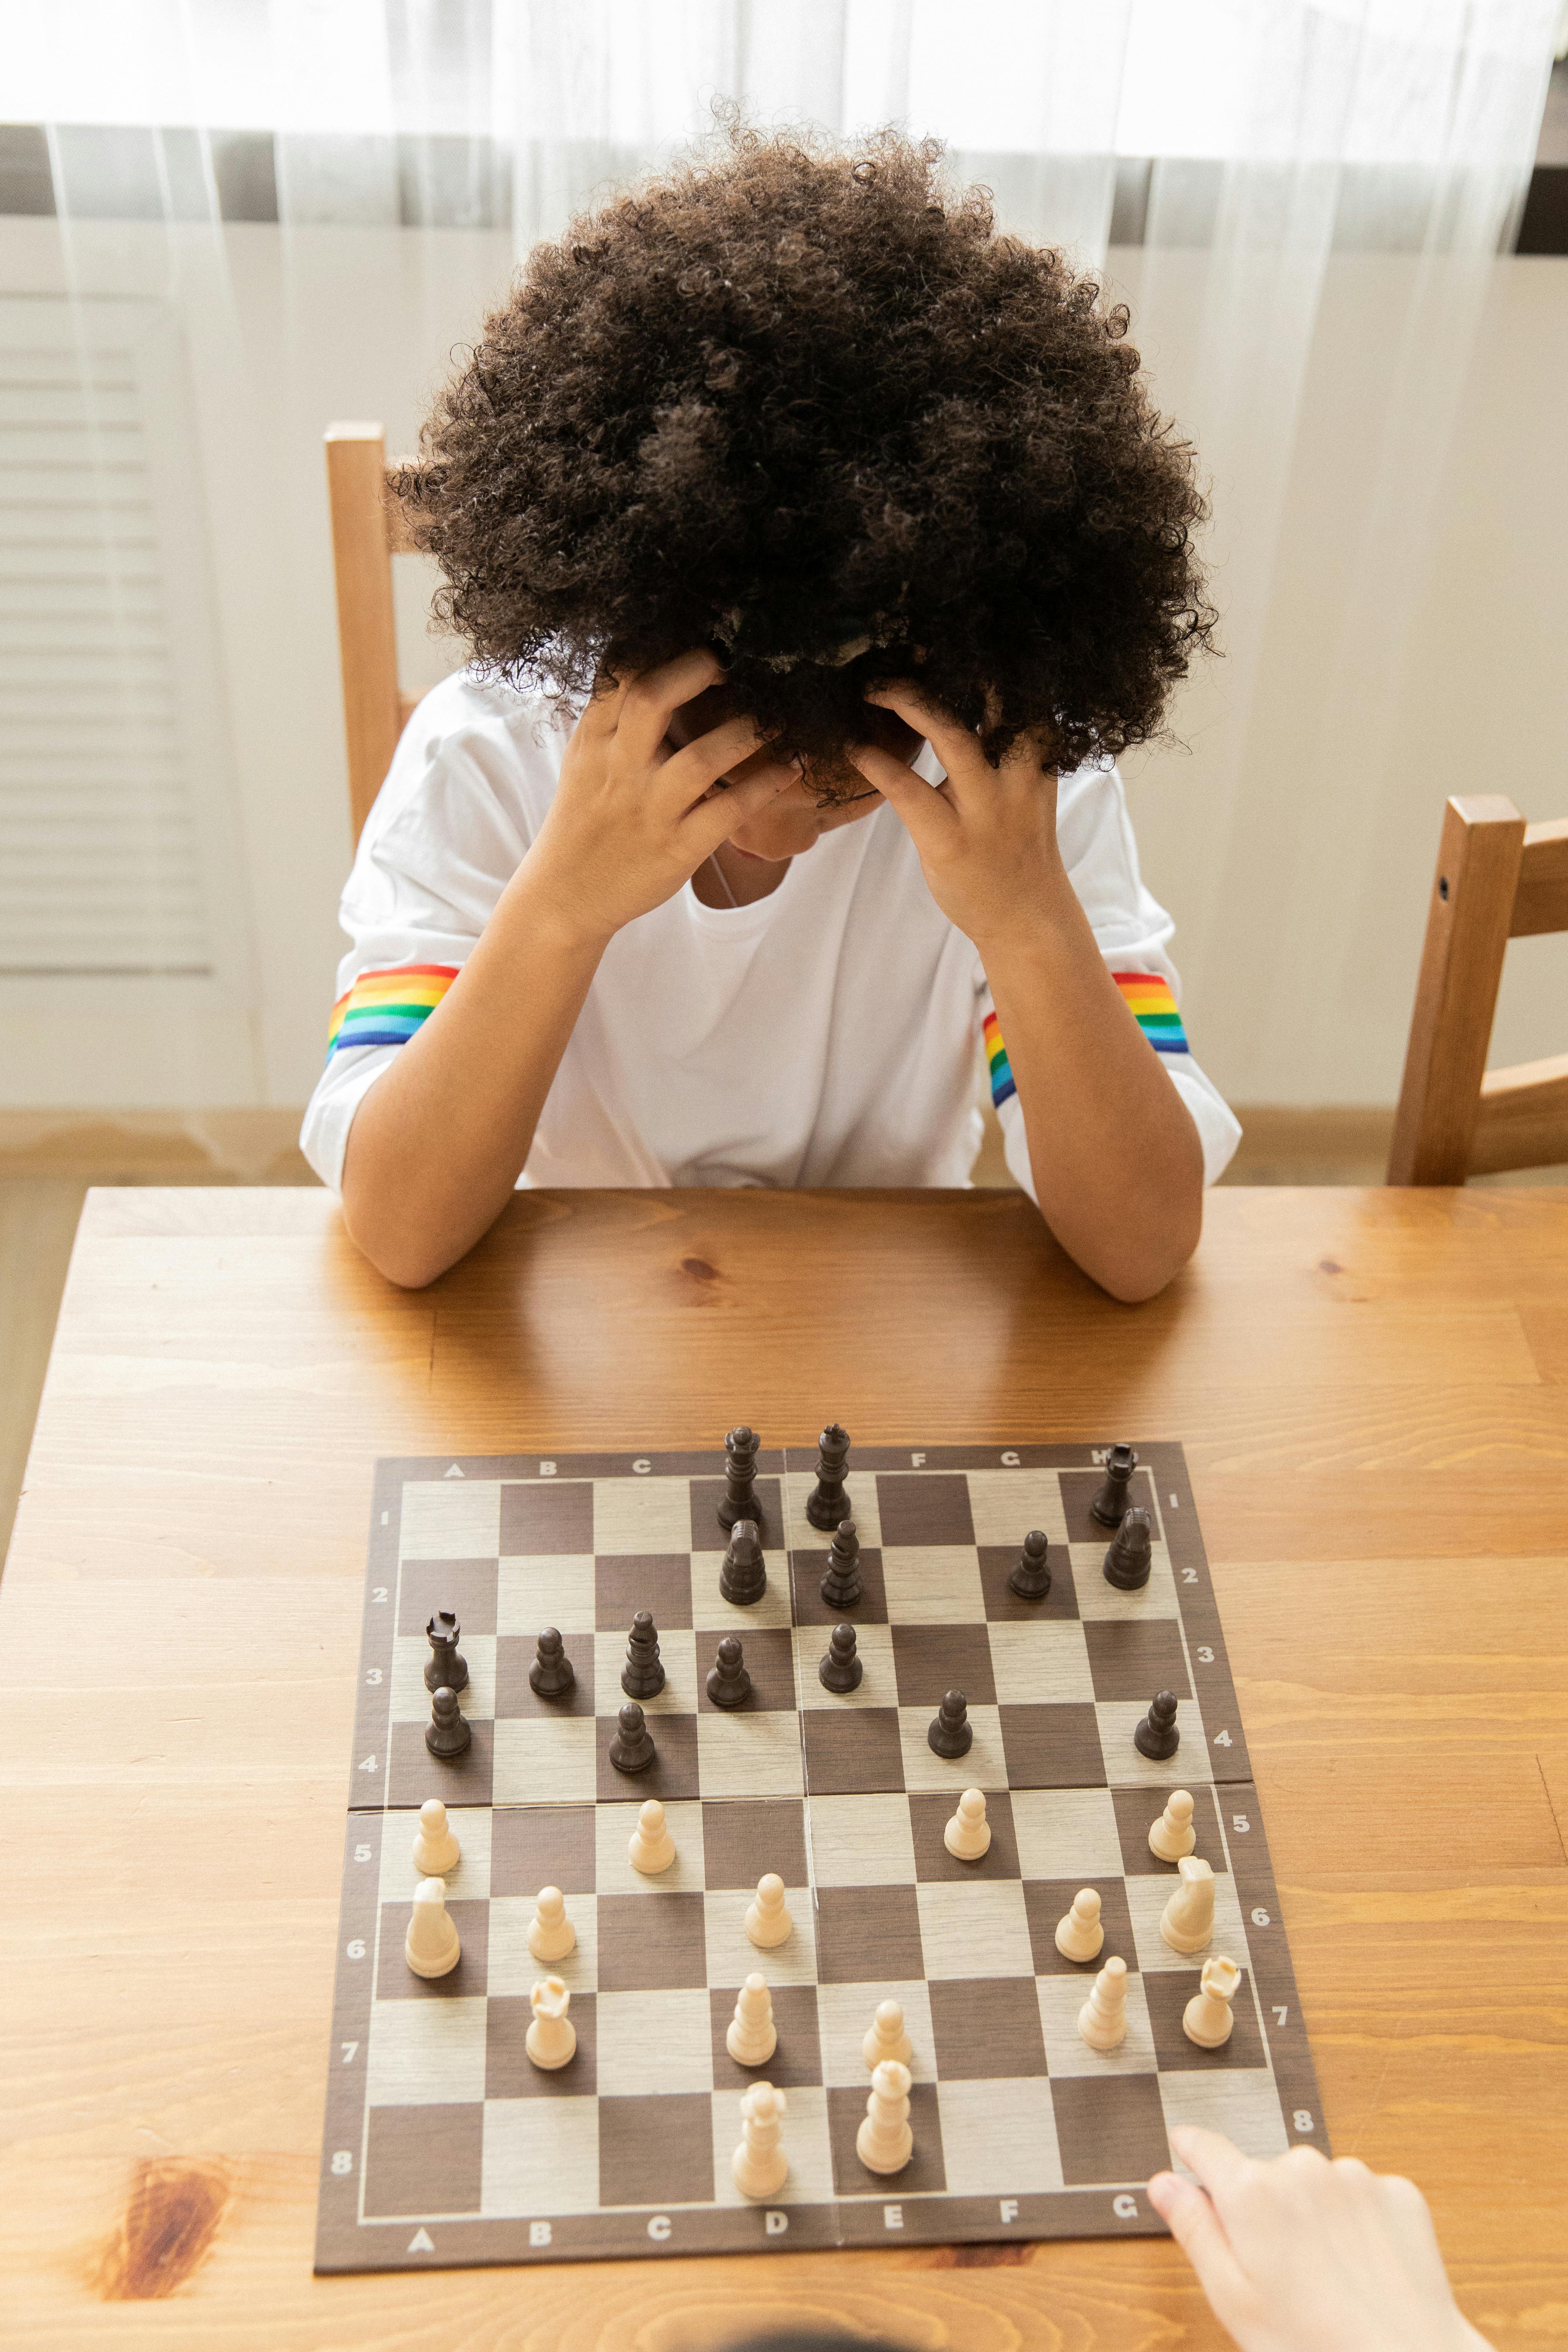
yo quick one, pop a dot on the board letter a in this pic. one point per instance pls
(421, 2243)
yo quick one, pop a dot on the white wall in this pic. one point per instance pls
(1296, 857)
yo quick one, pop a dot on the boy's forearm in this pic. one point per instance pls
(439, 1141)
(1115, 1156)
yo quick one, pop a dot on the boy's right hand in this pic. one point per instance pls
(632, 819)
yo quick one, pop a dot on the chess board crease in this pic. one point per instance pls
(444, 2145)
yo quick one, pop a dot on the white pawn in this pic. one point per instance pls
(1173, 1836)
(884, 2142)
(1208, 2018)
(652, 1849)
(1103, 2019)
(1079, 1936)
(431, 1947)
(551, 1935)
(759, 2164)
(552, 2040)
(767, 1920)
(888, 2037)
(968, 1834)
(1186, 1923)
(436, 1852)
(752, 2037)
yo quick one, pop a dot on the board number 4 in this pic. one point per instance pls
(1222, 1739)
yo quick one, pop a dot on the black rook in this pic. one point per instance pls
(446, 1670)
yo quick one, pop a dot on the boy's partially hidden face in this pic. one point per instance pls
(788, 824)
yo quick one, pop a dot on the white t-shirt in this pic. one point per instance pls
(825, 1035)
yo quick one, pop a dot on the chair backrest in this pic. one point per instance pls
(1498, 879)
(368, 530)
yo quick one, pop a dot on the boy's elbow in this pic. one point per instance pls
(1138, 1273)
(410, 1260)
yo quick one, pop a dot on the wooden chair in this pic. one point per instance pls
(1498, 879)
(368, 530)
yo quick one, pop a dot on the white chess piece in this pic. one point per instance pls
(968, 1834)
(652, 1848)
(431, 1947)
(752, 2037)
(1173, 1836)
(551, 1935)
(885, 2142)
(1186, 1924)
(759, 2164)
(1080, 1935)
(436, 1852)
(552, 2040)
(1207, 2017)
(1103, 2019)
(767, 1919)
(888, 2037)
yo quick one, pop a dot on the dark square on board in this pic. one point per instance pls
(548, 1520)
(917, 1507)
(743, 1837)
(1053, 1746)
(1168, 1992)
(466, 1587)
(929, 1818)
(770, 1662)
(674, 1772)
(395, 1980)
(1110, 2129)
(413, 1773)
(854, 1751)
(1136, 1812)
(987, 2029)
(656, 2149)
(806, 1570)
(625, 1582)
(1133, 1657)
(1046, 1901)
(424, 2159)
(515, 1695)
(797, 2059)
(706, 1535)
(542, 1845)
(511, 2073)
(866, 1935)
(924, 2170)
(1078, 1489)
(651, 1943)
(1003, 1607)
(931, 1659)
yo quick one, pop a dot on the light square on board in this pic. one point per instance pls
(731, 1954)
(409, 1699)
(511, 2073)
(512, 1967)
(863, 1841)
(1066, 2052)
(874, 1648)
(541, 2156)
(979, 1930)
(1244, 2107)
(809, 2180)
(655, 2042)
(545, 1761)
(677, 1655)
(934, 1585)
(470, 1875)
(1096, 1598)
(999, 2138)
(983, 1767)
(1146, 1900)
(614, 1828)
(714, 1616)
(1045, 1661)
(860, 1504)
(1060, 1831)
(533, 1593)
(642, 1515)
(425, 2053)
(844, 2015)
(450, 1518)
(1006, 1503)
(1125, 1763)
(744, 1755)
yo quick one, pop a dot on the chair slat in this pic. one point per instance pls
(1523, 1118)
(1540, 901)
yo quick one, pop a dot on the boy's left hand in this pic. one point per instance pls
(987, 837)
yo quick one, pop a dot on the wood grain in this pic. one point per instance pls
(367, 636)
(1371, 1391)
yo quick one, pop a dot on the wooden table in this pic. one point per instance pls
(1371, 1389)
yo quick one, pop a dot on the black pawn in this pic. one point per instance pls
(840, 1669)
(841, 1585)
(551, 1675)
(1130, 1557)
(642, 1676)
(952, 1733)
(743, 1577)
(447, 1733)
(446, 1670)
(1031, 1579)
(739, 1500)
(825, 1503)
(1157, 1736)
(632, 1749)
(1111, 1500)
(728, 1681)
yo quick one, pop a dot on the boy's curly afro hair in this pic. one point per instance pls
(804, 405)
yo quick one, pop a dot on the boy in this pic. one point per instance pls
(818, 551)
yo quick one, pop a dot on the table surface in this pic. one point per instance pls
(1373, 1391)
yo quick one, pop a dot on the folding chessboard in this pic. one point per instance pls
(445, 2145)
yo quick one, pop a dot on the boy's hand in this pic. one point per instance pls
(986, 838)
(632, 821)
(1302, 2255)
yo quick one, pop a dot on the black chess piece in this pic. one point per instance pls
(728, 1680)
(642, 1676)
(1130, 1557)
(446, 1670)
(1031, 1579)
(1111, 1500)
(840, 1669)
(551, 1675)
(739, 1500)
(841, 1586)
(951, 1732)
(743, 1577)
(447, 1733)
(1157, 1736)
(824, 1506)
(632, 1749)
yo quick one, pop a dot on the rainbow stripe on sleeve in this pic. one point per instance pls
(1147, 995)
(1001, 1070)
(386, 1008)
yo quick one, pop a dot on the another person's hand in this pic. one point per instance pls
(1304, 2255)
